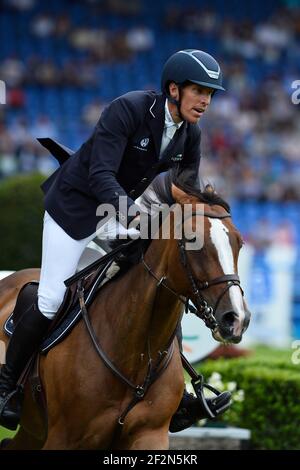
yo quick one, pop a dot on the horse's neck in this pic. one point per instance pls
(139, 316)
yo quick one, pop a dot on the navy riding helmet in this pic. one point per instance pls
(194, 66)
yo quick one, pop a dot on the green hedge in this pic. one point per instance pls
(271, 407)
(21, 221)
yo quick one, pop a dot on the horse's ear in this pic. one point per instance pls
(210, 189)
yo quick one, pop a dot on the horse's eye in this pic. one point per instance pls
(193, 244)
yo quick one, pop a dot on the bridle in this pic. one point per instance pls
(201, 309)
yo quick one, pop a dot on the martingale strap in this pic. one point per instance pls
(153, 372)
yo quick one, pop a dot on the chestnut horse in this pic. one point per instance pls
(134, 317)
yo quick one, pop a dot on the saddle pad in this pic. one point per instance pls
(64, 328)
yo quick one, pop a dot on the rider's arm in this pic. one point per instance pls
(110, 139)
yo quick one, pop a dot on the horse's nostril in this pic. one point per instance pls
(228, 319)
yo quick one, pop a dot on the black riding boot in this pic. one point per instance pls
(26, 338)
(191, 408)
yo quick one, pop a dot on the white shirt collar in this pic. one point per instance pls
(168, 118)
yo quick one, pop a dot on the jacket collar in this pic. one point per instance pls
(157, 124)
(157, 120)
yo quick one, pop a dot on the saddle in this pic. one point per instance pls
(91, 277)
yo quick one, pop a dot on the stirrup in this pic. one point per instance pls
(212, 406)
(11, 422)
(193, 409)
(4, 399)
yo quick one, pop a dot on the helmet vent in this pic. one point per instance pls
(211, 73)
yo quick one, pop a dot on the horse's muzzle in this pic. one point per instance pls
(222, 337)
(231, 328)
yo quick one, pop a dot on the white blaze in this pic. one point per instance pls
(220, 239)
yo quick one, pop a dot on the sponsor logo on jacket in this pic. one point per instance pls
(177, 158)
(143, 144)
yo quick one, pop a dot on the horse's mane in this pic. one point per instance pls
(160, 192)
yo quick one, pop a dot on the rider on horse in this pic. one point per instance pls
(139, 135)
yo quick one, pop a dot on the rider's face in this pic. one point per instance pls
(195, 99)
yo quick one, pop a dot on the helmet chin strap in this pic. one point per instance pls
(177, 102)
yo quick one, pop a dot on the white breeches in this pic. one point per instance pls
(60, 256)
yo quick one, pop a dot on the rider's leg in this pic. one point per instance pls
(59, 261)
(60, 257)
(25, 340)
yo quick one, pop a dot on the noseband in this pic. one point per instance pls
(202, 310)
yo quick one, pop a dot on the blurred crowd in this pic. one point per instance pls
(251, 133)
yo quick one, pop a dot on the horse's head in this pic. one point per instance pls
(211, 267)
(203, 270)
